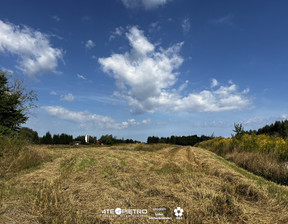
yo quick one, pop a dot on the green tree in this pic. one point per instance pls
(108, 139)
(239, 130)
(15, 102)
(29, 134)
(47, 139)
(56, 139)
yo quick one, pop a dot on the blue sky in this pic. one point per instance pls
(137, 68)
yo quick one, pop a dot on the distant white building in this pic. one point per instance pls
(87, 139)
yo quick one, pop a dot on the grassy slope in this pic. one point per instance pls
(81, 182)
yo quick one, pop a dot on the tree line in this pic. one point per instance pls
(179, 140)
(32, 136)
(276, 129)
(64, 139)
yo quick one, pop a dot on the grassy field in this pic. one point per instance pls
(76, 184)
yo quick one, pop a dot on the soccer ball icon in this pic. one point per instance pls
(178, 211)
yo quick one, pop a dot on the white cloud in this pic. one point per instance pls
(81, 76)
(139, 43)
(69, 97)
(183, 86)
(186, 25)
(214, 83)
(87, 118)
(145, 77)
(36, 55)
(147, 4)
(89, 44)
(147, 121)
(118, 32)
(53, 93)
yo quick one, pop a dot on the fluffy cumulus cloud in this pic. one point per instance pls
(33, 48)
(145, 77)
(147, 4)
(85, 117)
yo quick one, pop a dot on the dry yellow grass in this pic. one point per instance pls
(81, 182)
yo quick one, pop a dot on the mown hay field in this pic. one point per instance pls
(79, 183)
